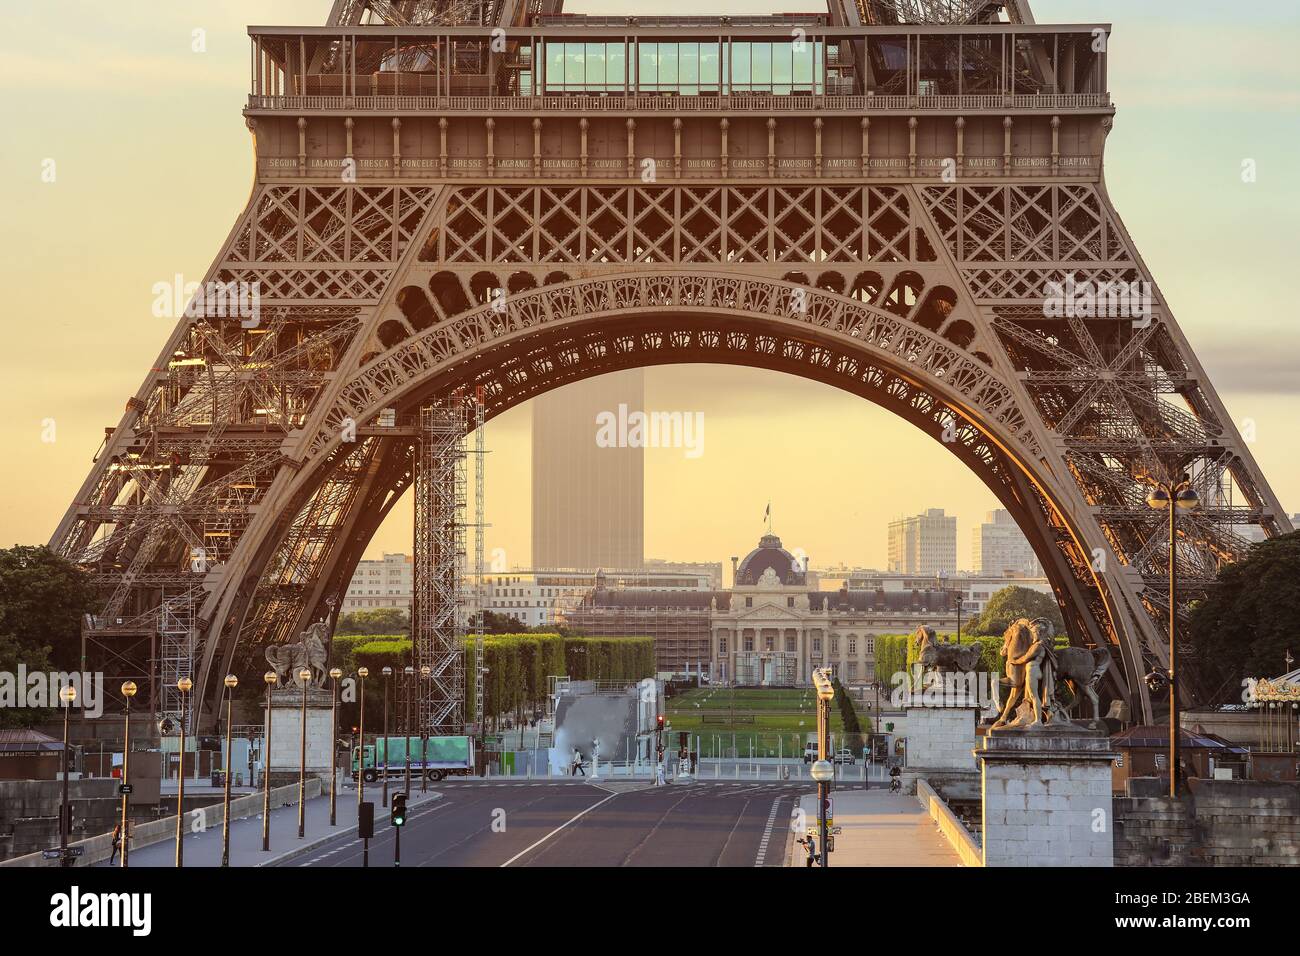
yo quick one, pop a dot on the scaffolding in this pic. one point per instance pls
(480, 452)
(439, 559)
(176, 639)
(681, 632)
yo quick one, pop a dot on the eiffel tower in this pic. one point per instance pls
(901, 198)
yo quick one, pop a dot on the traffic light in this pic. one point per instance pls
(397, 812)
(659, 722)
(366, 820)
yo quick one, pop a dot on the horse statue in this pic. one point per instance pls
(1034, 666)
(944, 656)
(310, 652)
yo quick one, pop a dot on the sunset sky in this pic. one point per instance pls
(153, 164)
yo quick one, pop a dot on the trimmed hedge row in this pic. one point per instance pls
(517, 664)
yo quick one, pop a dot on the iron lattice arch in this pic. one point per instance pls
(229, 506)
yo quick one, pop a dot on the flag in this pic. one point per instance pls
(767, 513)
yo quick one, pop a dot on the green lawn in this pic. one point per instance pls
(772, 722)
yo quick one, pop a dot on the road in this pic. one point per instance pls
(578, 824)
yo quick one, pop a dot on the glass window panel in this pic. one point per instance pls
(648, 67)
(554, 76)
(782, 65)
(595, 79)
(668, 66)
(761, 67)
(688, 64)
(803, 65)
(740, 65)
(710, 65)
(573, 71)
(614, 64)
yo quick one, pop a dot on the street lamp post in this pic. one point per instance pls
(363, 673)
(335, 674)
(271, 679)
(425, 672)
(823, 771)
(231, 683)
(388, 674)
(183, 685)
(128, 691)
(304, 677)
(67, 694)
(1171, 497)
(409, 671)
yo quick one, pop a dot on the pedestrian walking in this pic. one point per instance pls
(117, 843)
(809, 844)
(577, 764)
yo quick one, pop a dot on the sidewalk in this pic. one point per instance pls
(879, 828)
(204, 848)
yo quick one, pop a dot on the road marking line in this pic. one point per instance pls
(767, 834)
(559, 828)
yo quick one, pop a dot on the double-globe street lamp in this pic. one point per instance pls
(409, 671)
(304, 678)
(425, 672)
(67, 694)
(388, 674)
(335, 674)
(183, 685)
(823, 771)
(363, 673)
(1173, 497)
(271, 679)
(231, 682)
(128, 692)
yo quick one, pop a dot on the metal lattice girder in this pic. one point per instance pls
(279, 449)
(439, 557)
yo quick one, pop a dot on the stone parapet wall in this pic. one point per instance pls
(968, 849)
(1214, 823)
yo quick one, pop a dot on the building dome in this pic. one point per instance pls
(770, 555)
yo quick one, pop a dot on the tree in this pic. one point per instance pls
(1248, 623)
(1012, 603)
(14, 652)
(42, 599)
(385, 620)
(494, 623)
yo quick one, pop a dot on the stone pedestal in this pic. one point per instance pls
(286, 731)
(940, 746)
(941, 736)
(1047, 797)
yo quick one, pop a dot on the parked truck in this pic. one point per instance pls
(443, 757)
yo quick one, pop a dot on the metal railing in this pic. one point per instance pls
(673, 105)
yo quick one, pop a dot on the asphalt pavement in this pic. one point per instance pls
(475, 823)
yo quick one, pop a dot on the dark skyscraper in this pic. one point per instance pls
(588, 501)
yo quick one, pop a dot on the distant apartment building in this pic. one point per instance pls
(924, 544)
(901, 594)
(711, 568)
(998, 546)
(539, 598)
(588, 501)
(380, 584)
